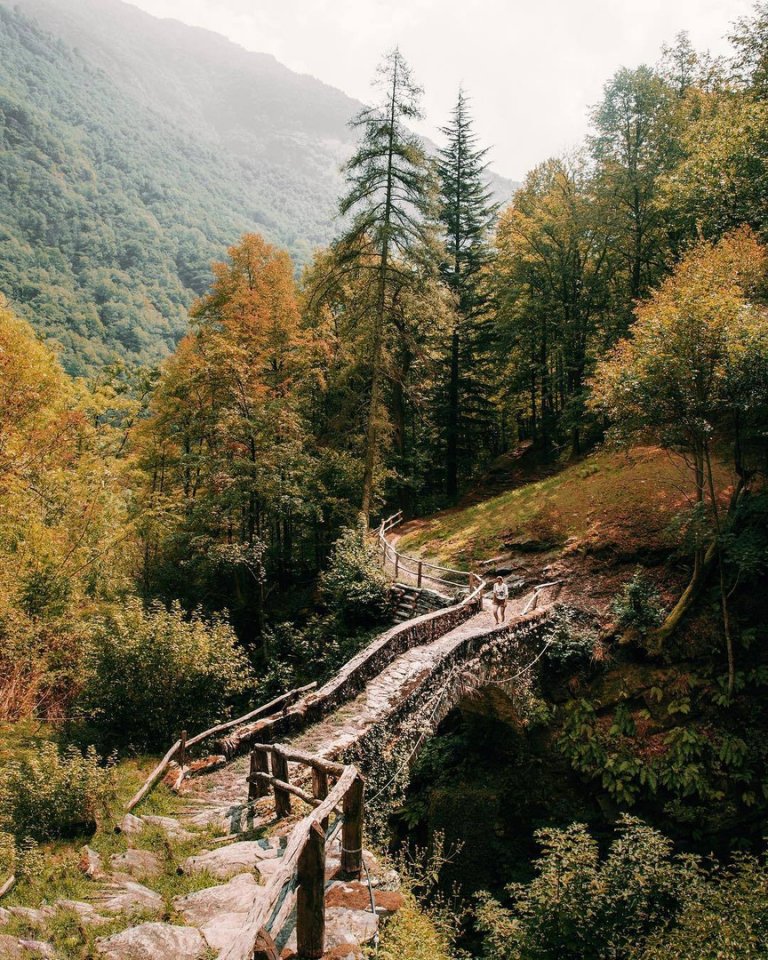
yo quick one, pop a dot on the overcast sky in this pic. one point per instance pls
(532, 67)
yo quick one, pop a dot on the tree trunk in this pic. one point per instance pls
(700, 575)
(452, 451)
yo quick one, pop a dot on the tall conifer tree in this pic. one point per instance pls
(467, 214)
(388, 198)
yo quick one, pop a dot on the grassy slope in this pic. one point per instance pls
(621, 502)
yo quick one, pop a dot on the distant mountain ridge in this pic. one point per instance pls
(133, 150)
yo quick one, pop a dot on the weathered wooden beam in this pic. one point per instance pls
(242, 946)
(352, 829)
(316, 763)
(283, 700)
(310, 899)
(279, 783)
(285, 786)
(320, 789)
(265, 947)
(153, 777)
(8, 885)
(259, 764)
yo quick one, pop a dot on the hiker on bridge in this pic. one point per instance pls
(500, 597)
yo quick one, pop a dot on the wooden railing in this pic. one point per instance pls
(300, 880)
(419, 573)
(180, 749)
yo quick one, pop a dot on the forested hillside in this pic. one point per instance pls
(134, 151)
(113, 211)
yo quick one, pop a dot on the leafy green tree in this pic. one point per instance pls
(155, 671)
(750, 62)
(354, 585)
(633, 144)
(692, 373)
(467, 215)
(552, 283)
(641, 902)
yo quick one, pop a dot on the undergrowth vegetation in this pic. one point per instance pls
(611, 503)
(153, 671)
(49, 794)
(640, 902)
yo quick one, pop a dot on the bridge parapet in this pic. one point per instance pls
(354, 675)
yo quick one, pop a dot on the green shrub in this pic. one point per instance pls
(638, 605)
(354, 586)
(153, 671)
(48, 795)
(572, 640)
(641, 902)
(413, 934)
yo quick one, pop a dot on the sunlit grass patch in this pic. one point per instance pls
(627, 498)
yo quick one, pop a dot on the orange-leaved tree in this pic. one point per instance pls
(224, 449)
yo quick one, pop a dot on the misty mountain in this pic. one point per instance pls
(133, 150)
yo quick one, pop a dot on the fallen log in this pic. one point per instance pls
(283, 700)
(154, 776)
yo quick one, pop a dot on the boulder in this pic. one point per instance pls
(170, 827)
(31, 915)
(129, 897)
(12, 948)
(220, 911)
(91, 863)
(138, 863)
(345, 932)
(154, 941)
(226, 818)
(37, 948)
(86, 912)
(130, 825)
(236, 896)
(226, 862)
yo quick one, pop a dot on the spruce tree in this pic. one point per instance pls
(467, 215)
(387, 200)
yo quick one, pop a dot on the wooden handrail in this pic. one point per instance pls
(421, 565)
(266, 917)
(183, 744)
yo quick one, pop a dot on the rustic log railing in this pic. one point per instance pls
(300, 880)
(179, 750)
(415, 572)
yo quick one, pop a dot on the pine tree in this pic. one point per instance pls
(388, 199)
(467, 214)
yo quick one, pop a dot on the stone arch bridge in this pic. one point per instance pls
(287, 887)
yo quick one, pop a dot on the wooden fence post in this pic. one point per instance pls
(419, 579)
(397, 564)
(259, 764)
(352, 829)
(183, 749)
(280, 772)
(320, 788)
(310, 899)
